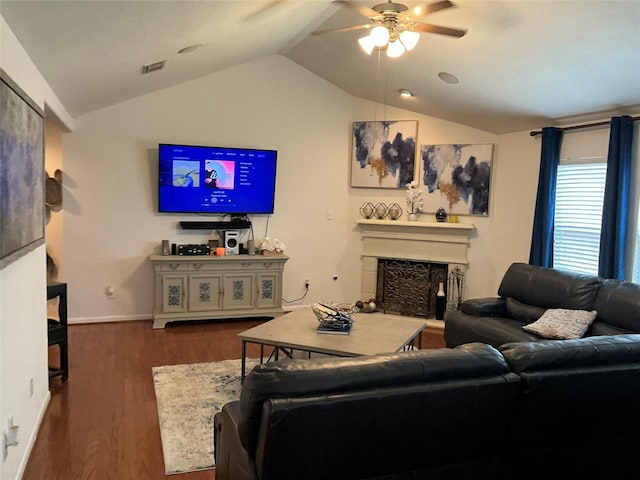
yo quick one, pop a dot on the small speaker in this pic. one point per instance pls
(231, 243)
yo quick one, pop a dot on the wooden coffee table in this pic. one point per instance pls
(371, 333)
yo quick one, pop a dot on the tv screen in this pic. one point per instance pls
(199, 179)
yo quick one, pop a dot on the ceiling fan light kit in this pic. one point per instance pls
(367, 43)
(380, 35)
(395, 49)
(394, 30)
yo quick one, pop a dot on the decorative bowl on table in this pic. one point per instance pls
(332, 317)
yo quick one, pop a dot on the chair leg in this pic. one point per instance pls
(64, 360)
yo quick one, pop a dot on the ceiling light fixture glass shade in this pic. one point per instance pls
(380, 35)
(409, 39)
(395, 49)
(367, 44)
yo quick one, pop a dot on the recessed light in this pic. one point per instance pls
(405, 93)
(448, 77)
(190, 48)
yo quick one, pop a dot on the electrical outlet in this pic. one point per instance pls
(307, 283)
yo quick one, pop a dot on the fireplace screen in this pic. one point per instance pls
(409, 288)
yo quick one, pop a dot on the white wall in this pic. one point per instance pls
(23, 325)
(501, 238)
(111, 224)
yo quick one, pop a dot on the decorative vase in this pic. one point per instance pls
(441, 215)
(441, 302)
(412, 217)
(381, 211)
(366, 210)
(394, 211)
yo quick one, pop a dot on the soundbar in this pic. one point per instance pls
(212, 225)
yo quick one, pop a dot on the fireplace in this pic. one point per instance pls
(407, 287)
(417, 256)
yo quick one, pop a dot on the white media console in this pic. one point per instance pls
(202, 287)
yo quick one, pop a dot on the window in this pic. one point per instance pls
(579, 198)
(578, 216)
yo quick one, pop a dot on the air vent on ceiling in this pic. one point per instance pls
(153, 67)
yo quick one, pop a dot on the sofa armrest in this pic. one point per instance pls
(485, 307)
(231, 459)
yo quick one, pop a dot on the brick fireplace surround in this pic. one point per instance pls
(444, 243)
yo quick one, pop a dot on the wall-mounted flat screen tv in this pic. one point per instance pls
(200, 179)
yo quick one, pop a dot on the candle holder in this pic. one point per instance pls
(381, 210)
(367, 210)
(394, 211)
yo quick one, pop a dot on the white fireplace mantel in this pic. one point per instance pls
(435, 242)
(424, 241)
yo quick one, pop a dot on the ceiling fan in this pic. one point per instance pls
(394, 26)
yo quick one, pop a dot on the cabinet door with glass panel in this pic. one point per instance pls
(205, 292)
(268, 290)
(174, 289)
(238, 291)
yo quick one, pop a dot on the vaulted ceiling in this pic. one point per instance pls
(521, 64)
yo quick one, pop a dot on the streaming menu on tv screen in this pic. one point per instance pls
(215, 179)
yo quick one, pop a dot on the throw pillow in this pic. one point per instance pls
(561, 323)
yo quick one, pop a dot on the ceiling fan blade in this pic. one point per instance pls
(427, 9)
(364, 11)
(344, 29)
(428, 28)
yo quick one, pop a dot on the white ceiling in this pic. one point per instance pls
(522, 64)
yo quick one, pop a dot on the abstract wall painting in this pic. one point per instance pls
(383, 154)
(456, 177)
(21, 173)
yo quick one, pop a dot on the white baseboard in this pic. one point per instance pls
(34, 434)
(111, 318)
(125, 318)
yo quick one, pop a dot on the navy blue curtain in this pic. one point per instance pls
(616, 200)
(542, 236)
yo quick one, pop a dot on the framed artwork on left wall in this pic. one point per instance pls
(21, 173)
(383, 153)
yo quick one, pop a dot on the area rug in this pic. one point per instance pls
(188, 396)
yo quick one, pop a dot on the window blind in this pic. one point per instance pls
(578, 215)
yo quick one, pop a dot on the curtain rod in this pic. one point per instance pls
(533, 133)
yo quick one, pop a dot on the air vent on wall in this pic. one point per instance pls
(152, 67)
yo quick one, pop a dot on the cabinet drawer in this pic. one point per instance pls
(171, 267)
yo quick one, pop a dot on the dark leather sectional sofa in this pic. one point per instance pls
(552, 409)
(525, 293)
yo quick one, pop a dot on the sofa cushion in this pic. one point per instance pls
(562, 323)
(460, 328)
(578, 415)
(522, 312)
(325, 376)
(618, 304)
(583, 353)
(549, 288)
(602, 328)
(484, 307)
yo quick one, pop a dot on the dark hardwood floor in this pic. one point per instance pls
(102, 423)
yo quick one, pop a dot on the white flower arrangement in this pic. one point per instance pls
(414, 197)
(271, 245)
